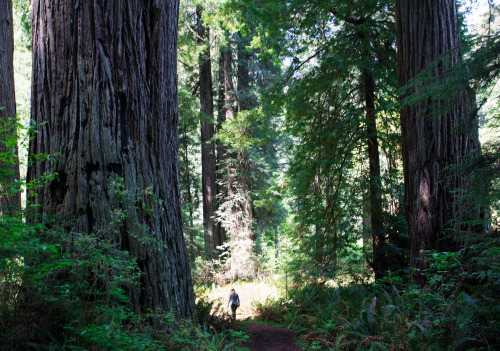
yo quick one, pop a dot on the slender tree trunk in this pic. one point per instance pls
(207, 145)
(435, 134)
(221, 151)
(105, 81)
(367, 228)
(245, 103)
(189, 197)
(10, 197)
(232, 226)
(189, 200)
(376, 215)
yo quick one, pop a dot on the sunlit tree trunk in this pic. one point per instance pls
(10, 198)
(235, 221)
(243, 252)
(435, 133)
(105, 84)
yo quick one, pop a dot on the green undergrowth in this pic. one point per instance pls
(68, 291)
(457, 310)
(64, 290)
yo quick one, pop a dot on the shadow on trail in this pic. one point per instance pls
(269, 338)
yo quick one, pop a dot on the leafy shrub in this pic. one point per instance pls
(270, 310)
(63, 290)
(212, 316)
(457, 310)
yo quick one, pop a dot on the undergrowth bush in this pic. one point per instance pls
(270, 310)
(211, 315)
(68, 291)
(457, 310)
(63, 290)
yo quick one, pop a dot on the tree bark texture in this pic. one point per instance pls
(430, 141)
(105, 83)
(10, 197)
(207, 144)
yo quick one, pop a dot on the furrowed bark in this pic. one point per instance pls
(105, 83)
(432, 139)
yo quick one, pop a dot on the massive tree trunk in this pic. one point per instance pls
(435, 133)
(207, 144)
(105, 83)
(10, 197)
(379, 264)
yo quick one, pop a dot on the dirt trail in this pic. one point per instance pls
(267, 338)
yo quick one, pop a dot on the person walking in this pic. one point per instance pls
(234, 302)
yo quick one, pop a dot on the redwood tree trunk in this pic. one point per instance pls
(432, 139)
(207, 145)
(230, 169)
(10, 198)
(245, 100)
(221, 191)
(234, 223)
(245, 103)
(189, 200)
(105, 81)
(238, 208)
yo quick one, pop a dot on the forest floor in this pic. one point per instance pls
(269, 338)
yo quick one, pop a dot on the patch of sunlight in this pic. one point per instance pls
(249, 292)
(22, 82)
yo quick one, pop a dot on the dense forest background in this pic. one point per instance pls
(335, 162)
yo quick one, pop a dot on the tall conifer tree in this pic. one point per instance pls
(208, 174)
